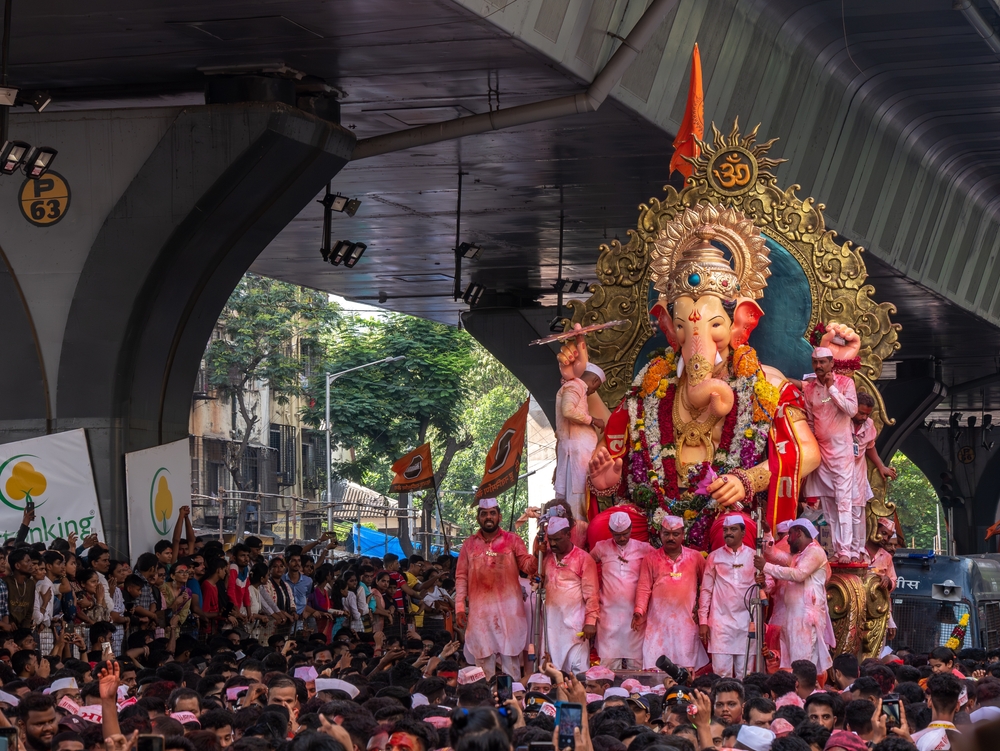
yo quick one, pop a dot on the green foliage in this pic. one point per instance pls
(384, 411)
(494, 395)
(915, 501)
(259, 324)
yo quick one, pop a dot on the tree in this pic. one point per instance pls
(259, 327)
(494, 395)
(384, 412)
(915, 501)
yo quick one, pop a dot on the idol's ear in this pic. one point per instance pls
(745, 319)
(666, 323)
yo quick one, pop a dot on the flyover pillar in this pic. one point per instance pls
(109, 306)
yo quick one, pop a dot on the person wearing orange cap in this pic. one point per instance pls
(620, 558)
(724, 618)
(571, 599)
(665, 600)
(486, 577)
(831, 401)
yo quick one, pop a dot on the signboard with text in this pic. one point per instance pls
(52, 472)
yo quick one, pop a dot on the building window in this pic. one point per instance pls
(282, 440)
(313, 466)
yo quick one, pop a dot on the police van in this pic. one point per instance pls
(934, 592)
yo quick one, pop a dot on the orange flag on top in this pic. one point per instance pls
(693, 124)
(413, 471)
(503, 463)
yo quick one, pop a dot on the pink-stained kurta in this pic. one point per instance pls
(777, 553)
(576, 440)
(865, 438)
(619, 578)
(807, 629)
(571, 602)
(728, 576)
(829, 412)
(667, 594)
(487, 575)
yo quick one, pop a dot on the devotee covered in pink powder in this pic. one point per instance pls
(487, 578)
(665, 600)
(571, 599)
(807, 630)
(620, 558)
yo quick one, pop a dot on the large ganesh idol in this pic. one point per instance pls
(704, 425)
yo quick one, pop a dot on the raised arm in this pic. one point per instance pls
(846, 399)
(574, 403)
(807, 566)
(525, 561)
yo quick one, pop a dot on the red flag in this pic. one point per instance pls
(693, 124)
(413, 471)
(503, 462)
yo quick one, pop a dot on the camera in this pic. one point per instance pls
(680, 675)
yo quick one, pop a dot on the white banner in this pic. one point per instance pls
(54, 473)
(159, 483)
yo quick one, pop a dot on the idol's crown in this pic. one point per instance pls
(703, 270)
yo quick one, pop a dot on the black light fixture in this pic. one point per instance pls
(37, 99)
(472, 294)
(354, 255)
(39, 161)
(340, 251)
(347, 253)
(13, 155)
(573, 286)
(470, 251)
(339, 203)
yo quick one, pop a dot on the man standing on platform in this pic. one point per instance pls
(665, 600)
(806, 630)
(620, 558)
(831, 402)
(487, 577)
(864, 434)
(571, 599)
(722, 612)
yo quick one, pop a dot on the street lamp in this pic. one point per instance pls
(330, 378)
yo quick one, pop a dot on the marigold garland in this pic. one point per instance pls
(652, 479)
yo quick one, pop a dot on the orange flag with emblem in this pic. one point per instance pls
(413, 471)
(693, 124)
(503, 463)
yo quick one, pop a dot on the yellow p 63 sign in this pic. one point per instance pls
(45, 201)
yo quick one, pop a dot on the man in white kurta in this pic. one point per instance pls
(620, 559)
(571, 599)
(486, 577)
(666, 599)
(728, 583)
(831, 401)
(807, 629)
(576, 438)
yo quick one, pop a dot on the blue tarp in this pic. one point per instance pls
(374, 543)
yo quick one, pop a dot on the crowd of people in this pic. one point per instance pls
(197, 648)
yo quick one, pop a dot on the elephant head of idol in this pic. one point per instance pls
(708, 305)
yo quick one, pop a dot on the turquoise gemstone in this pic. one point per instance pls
(694, 280)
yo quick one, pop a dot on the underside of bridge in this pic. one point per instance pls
(886, 112)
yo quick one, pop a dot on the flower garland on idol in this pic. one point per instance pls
(652, 476)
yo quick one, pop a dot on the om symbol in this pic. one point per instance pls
(732, 170)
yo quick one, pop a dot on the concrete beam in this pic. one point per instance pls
(213, 188)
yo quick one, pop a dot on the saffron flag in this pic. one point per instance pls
(503, 462)
(413, 471)
(693, 124)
